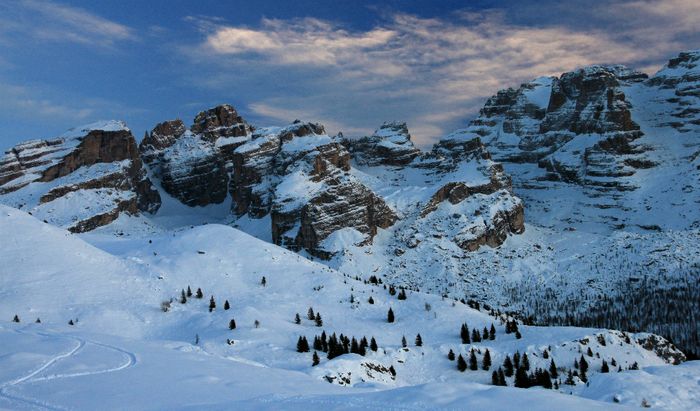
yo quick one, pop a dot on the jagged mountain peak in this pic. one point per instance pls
(220, 121)
(82, 180)
(389, 145)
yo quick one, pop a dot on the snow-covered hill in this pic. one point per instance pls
(122, 347)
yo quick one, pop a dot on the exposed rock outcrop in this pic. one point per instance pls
(390, 145)
(546, 115)
(194, 165)
(81, 181)
(300, 176)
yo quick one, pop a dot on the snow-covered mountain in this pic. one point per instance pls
(570, 200)
(81, 180)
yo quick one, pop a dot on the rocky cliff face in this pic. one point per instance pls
(390, 145)
(301, 177)
(194, 165)
(606, 132)
(323, 193)
(81, 181)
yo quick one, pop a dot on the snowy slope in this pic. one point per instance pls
(123, 351)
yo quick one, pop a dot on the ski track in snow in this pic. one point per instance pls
(29, 378)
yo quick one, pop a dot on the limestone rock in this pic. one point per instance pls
(81, 181)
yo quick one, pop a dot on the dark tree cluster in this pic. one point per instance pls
(311, 316)
(663, 302)
(402, 294)
(476, 336)
(302, 345)
(336, 346)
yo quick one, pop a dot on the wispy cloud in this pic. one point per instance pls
(24, 101)
(47, 21)
(432, 72)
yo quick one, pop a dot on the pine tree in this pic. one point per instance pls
(485, 334)
(475, 336)
(486, 361)
(501, 378)
(419, 341)
(392, 370)
(404, 344)
(494, 378)
(402, 294)
(363, 346)
(473, 365)
(16, 319)
(518, 335)
(263, 281)
(492, 332)
(545, 354)
(553, 369)
(297, 319)
(317, 343)
(464, 333)
(310, 314)
(227, 306)
(451, 355)
(569, 378)
(318, 320)
(69, 322)
(589, 352)
(38, 320)
(390, 316)
(354, 346)
(516, 360)
(461, 364)
(302, 345)
(508, 365)
(521, 378)
(370, 300)
(212, 304)
(373, 345)
(183, 297)
(543, 379)
(583, 364)
(525, 362)
(315, 359)
(232, 324)
(200, 294)
(346, 344)
(604, 368)
(189, 291)
(324, 342)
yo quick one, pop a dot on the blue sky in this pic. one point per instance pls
(348, 64)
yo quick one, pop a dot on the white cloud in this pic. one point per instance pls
(47, 21)
(432, 72)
